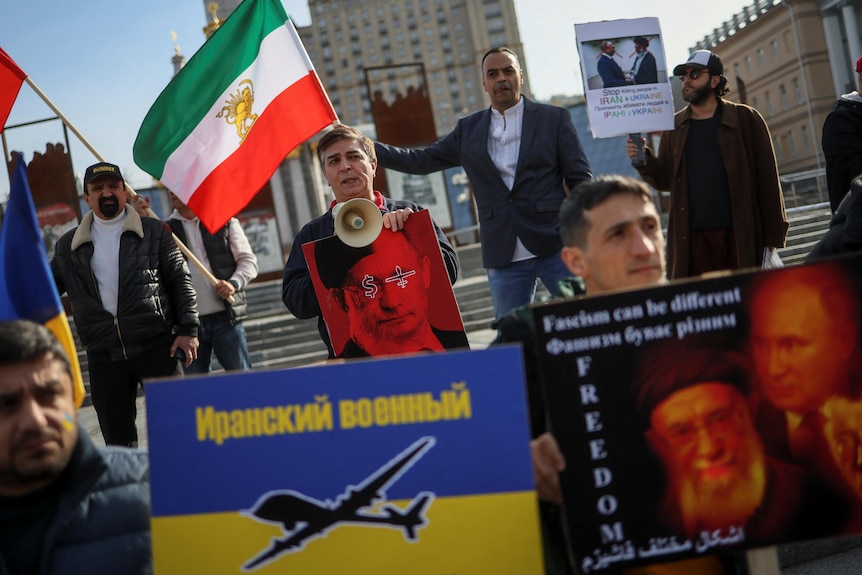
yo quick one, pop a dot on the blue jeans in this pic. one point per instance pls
(218, 335)
(515, 285)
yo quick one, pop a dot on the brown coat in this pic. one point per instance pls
(756, 200)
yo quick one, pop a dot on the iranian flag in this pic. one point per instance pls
(247, 98)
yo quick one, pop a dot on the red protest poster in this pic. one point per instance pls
(392, 296)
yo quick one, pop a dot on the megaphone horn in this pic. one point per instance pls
(357, 222)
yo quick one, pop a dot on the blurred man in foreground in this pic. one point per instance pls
(66, 506)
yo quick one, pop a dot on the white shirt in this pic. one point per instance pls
(504, 146)
(246, 262)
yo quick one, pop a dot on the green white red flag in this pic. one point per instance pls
(248, 97)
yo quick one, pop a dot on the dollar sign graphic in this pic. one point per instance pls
(369, 285)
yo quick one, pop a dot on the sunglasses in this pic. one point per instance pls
(692, 74)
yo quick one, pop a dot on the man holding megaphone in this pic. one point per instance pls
(349, 164)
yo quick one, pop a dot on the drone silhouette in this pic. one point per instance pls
(304, 518)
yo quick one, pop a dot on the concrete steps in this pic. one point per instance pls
(276, 339)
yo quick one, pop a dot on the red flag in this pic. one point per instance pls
(11, 78)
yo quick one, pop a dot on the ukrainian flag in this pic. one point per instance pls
(27, 288)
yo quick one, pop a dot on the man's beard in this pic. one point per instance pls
(33, 471)
(109, 206)
(706, 505)
(698, 95)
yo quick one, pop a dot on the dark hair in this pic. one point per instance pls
(640, 41)
(721, 88)
(343, 132)
(673, 365)
(23, 340)
(574, 226)
(500, 50)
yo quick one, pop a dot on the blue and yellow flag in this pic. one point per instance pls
(27, 289)
(414, 464)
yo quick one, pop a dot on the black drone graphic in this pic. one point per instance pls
(304, 518)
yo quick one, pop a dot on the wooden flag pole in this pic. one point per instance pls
(183, 248)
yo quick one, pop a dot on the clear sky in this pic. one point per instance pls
(104, 62)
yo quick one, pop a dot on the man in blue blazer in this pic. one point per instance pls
(611, 73)
(522, 158)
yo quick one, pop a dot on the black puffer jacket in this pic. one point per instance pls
(156, 296)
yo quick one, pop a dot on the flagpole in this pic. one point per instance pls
(186, 251)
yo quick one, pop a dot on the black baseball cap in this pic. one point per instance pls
(699, 60)
(101, 169)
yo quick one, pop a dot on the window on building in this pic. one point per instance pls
(495, 25)
(769, 110)
(792, 143)
(761, 57)
(754, 104)
(395, 9)
(430, 46)
(774, 45)
(797, 90)
(492, 9)
(806, 141)
(736, 70)
(783, 93)
(346, 78)
(776, 143)
(748, 63)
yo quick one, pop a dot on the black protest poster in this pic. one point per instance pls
(705, 416)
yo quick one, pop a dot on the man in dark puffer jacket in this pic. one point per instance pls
(66, 506)
(132, 298)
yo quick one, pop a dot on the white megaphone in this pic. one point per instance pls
(357, 222)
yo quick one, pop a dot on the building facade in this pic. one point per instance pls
(367, 49)
(842, 20)
(776, 60)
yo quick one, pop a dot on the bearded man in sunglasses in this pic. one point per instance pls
(726, 206)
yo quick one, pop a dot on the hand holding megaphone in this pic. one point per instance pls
(358, 222)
